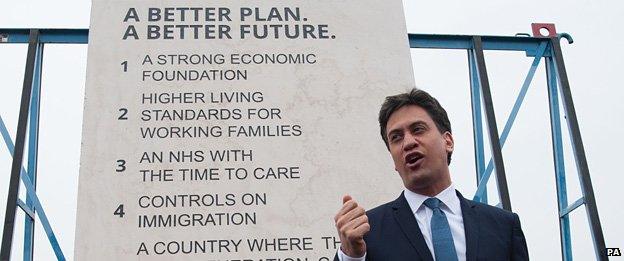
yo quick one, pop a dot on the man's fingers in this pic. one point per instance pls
(353, 214)
(352, 225)
(351, 220)
(346, 207)
(344, 218)
(356, 229)
(347, 224)
(344, 210)
(358, 233)
(363, 226)
(357, 222)
(346, 198)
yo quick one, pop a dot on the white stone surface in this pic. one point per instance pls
(335, 102)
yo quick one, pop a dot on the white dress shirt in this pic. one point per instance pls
(451, 208)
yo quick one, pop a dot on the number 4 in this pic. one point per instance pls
(119, 211)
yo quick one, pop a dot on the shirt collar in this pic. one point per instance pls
(447, 196)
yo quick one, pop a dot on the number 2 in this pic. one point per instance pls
(123, 116)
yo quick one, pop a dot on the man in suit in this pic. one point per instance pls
(430, 220)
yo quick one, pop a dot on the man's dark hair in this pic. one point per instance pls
(421, 99)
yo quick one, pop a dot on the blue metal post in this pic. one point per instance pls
(490, 117)
(33, 141)
(18, 152)
(477, 122)
(559, 162)
(578, 149)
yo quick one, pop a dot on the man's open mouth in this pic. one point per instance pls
(413, 159)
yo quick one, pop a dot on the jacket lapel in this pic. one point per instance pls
(471, 226)
(406, 220)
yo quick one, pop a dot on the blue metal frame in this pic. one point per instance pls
(32, 205)
(536, 47)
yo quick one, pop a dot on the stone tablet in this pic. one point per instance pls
(229, 130)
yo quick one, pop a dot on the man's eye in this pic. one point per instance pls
(395, 137)
(418, 129)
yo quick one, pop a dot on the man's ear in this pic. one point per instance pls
(448, 140)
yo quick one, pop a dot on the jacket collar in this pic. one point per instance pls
(405, 218)
(471, 226)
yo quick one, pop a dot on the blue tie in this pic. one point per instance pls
(441, 233)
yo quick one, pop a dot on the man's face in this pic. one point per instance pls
(418, 149)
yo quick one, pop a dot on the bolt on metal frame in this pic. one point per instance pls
(538, 47)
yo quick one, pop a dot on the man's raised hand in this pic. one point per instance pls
(352, 225)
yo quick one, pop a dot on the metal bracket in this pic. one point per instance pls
(536, 28)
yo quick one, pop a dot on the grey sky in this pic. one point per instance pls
(594, 62)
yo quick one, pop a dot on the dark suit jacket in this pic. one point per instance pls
(491, 233)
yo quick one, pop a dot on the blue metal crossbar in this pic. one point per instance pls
(512, 118)
(54, 36)
(572, 207)
(30, 191)
(530, 45)
(6, 136)
(29, 212)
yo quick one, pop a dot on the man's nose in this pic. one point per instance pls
(409, 142)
